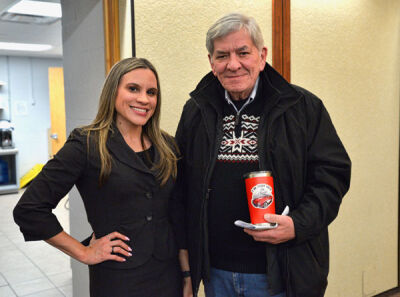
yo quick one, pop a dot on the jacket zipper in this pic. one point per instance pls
(237, 119)
(263, 152)
(276, 181)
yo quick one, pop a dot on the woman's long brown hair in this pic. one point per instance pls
(102, 124)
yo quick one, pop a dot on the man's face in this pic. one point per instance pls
(236, 62)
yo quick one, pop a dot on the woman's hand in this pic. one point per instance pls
(187, 287)
(108, 247)
(99, 250)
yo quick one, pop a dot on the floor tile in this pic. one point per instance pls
(67, 290)
(54, 264)
(6, 292)
(16, 238)
(13, 259)
(21, 275)
(3, 281)
(61, 279)
(9, 228)
(12, 233)
(36, 250)
(32, 286)
(5, 242)
(47, 293)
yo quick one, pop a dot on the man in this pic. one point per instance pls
(243, 117)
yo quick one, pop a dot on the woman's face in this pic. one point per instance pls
(136, 98)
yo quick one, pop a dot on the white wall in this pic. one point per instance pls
(348, 53)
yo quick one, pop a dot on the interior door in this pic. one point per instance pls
(57, 133)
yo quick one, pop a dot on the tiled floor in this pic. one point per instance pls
(33, 269)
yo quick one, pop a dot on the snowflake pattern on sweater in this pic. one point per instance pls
(243, 147)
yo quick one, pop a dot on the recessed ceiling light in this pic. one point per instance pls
(37, 8)
(13, 46)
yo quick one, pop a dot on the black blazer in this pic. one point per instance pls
(131, 201)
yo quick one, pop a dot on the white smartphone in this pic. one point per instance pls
(264, 226)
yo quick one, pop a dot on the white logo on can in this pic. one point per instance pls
(261, 196)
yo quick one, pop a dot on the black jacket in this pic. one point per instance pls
(131, 201)
(311, 170)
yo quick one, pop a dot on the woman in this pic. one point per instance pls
(124, 168)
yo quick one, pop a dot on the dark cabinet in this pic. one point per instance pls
(8, 171)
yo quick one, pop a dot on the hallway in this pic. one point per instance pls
(31, 268)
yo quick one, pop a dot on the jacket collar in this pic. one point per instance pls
(121, 151)
(208, 90)
(276, 85)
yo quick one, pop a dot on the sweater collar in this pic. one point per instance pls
(248, 100)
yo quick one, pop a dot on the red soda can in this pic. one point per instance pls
(260, 195)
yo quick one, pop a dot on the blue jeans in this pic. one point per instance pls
(233, 284)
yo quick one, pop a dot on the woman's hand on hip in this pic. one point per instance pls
(109, 247)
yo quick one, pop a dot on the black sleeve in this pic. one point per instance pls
(177, 215)
(176, 209)
(188, 114)
(33, 212)
(328, 174)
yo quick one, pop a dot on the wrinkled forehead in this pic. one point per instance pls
(234, 41)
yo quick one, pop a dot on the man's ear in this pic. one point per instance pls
(211, 64)
(264, 52)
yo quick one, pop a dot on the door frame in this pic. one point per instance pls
(111, 33)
